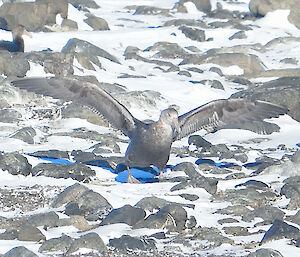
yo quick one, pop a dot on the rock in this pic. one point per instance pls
(263, 252)
(20, 251)
(250, 63)
(30, 233)
(126, 242)
(235, 210)
(282, 91)
(61, 244)
(280, 230)
(236, 231)
(15, 164)
(267, 213)
(291, 190)
(189, 197)
(13, 64)
(201, 5)
(172, 217)
(238, 35)
(77, 221)
(193, 33)
(33, 15)
(9, 115)
(97, 23)
(75, 45)
(166, 50)
(152, 203)
(150, 10)
(253, 183)
(69, 25)
(90, 241)
(52, 154)
(126, 214)
(186, 22)
(227, 221)
(79, 172)
(25, 134)
(70, 194)
(48, 219)
(262, 7)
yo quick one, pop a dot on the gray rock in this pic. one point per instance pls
(15, 164)
(30, 233)
(150, 10)
(264, 252)
(75, 45)
(61, 244)
(69, 25)
(25, 134)
(20, 251)
(227, 220)
(97, 23)
(152, 203)
(296, 157)
(91, 241)
(172, 217)
(27, 14)
(193, 33)
(201, 5)
(267, 213)
(238, 35)
(126, 242)
(167, 50)
(189, 197)
(282, 91)
(280, 230)
(248, 62)
(76, 221)
(186, 22)
(52, 154)
(13, 64)
(9, 116)
(79, 172)
(48, 219)
(126, 214)
(253, 183)
(291, 189)
(236, 231)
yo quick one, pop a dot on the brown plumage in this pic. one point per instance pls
(17, 45)
(151, 142)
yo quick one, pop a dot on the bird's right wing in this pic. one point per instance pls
(84, 93)
(226, 113)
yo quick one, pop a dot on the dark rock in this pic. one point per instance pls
(236, 231)
(238, 35)
(150, 10)
(212, 83)
(249, 63)
(291, 189)
(126, 242)
(267, 213)
(25, 134)
(159, 235)
(48, 219)
(20, 251)
(199, 141)
(90, 241)
(152, 203)
(9, 115)
(189, 197)
(191, 222)
(13, 64)
(264, 252)
(97, 23)
(60, 244)
(289, 61)
(193, 33)
(70, 194)
(52, 154)
(30, 233)
(172, 217)
(15, 164)
(216, 70)
(75, 45)
(11, 234)
(69, 25)
(282, 91)
(227, 220)
(280, 230)
(253, 183)
(126, 214)
(27, 14)
(167, 50)
(201, 5)
(79, 172)
(184, 73)
(186, 22)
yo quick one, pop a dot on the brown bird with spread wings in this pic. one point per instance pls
(151, 142)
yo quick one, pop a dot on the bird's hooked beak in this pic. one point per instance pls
(176, 128)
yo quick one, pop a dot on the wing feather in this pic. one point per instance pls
(84, 93)
(226, 113)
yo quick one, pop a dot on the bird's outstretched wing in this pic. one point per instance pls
(84, 93)
(226, 113)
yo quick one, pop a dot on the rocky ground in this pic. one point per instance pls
(246, 207)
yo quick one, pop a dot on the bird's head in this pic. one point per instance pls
(20, 30)
(170, 117)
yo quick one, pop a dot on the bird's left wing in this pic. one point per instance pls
(226, 113)
(84, 93)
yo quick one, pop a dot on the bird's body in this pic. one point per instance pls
(17, 45)
(151, 142)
